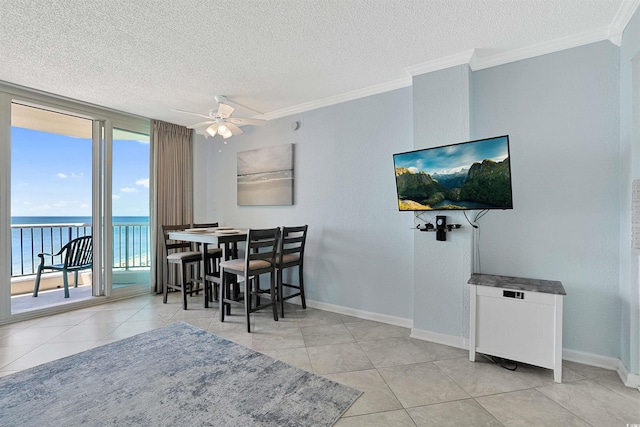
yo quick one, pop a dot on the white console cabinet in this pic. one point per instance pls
(517, 319)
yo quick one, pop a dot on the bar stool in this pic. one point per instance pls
(213, 258)
(291, 254)
(180, 255)
(260, 258)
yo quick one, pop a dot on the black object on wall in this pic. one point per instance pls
(441, 228)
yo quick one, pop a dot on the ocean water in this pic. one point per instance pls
(33, 235)
(74, 219)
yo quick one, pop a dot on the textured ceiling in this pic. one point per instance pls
(148, 57)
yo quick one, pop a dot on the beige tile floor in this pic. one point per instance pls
(406, 382)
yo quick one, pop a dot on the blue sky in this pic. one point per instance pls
(453, 158)
(51, 175)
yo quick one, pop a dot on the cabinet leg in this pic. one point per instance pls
(557, 374)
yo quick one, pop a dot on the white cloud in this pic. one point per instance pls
(85, 206)
(115, 196)
(59, 204)
(129, 190)
(144, 182)
(80, 175)
(62, 175)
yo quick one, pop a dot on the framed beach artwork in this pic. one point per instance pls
(265, 176)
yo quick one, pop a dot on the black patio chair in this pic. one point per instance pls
(77, 255)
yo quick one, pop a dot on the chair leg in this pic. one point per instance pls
(36, 287)
(195, 275)
(247, 302)
(165, 282)
(65, 280)
(222, 295)
(183, 276)
(274, 302)
(256, 287)
(301, 281)
(215, 269)
(75, 279)
(280, 291)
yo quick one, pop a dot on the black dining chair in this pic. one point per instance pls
(260, 258)
(180, 255)
(213, 258)
(291, 254)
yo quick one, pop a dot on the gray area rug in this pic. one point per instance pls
(178, 375)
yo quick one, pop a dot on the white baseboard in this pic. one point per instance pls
(611, 363)
(450, 340)
(367, 315)
(604, 362)
(630, 380)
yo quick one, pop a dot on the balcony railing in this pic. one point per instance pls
(131, 243)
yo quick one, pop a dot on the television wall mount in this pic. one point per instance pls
(440, 228)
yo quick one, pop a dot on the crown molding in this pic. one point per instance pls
(441, 63)
(479, 62)
(338, 99)
(623, 16)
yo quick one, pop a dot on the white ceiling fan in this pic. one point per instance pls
(221, 123)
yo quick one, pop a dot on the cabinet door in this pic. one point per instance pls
(516, 329)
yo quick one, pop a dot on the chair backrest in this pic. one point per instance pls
(292, 243)
(79, 252)
(262, 245)
(205, 225)
(174, 245)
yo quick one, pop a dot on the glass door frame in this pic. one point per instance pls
(104, 120)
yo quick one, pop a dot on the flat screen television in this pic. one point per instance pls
(464, 176)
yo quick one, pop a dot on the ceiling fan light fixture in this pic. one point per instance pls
(222, 130)
(212, 130)
(227, 134)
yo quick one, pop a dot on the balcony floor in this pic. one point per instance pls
(48, 298)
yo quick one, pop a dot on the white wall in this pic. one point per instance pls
(359, 252)
(441, 116)
(630, 170)
(561, 113)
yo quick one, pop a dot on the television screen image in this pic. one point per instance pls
(468, 175)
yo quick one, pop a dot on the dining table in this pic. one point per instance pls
(225, 238)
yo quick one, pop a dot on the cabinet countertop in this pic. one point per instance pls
(518, 283)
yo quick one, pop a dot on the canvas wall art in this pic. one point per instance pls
(265, 176)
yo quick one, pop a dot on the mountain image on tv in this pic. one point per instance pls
(470, 175)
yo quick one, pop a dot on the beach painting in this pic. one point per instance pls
(265, 176)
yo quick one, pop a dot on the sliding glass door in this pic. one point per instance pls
(130, 209)
(69, 170)
(51, 199)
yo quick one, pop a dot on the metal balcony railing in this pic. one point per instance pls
(131, 244)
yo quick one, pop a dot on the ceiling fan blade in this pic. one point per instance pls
(247, 122)
(200, 124)
(192, 113)
(234, 129)
(225, 110)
